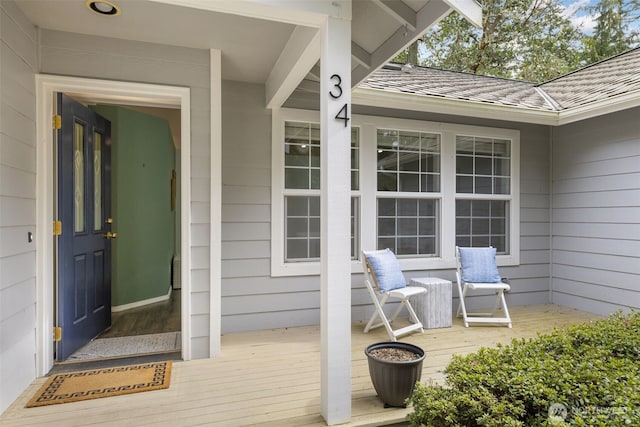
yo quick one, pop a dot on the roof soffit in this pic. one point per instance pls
(380, 29)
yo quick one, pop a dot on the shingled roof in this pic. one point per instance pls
(614, 76)
(606, 79)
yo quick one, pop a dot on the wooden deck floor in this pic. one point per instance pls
(272, 378)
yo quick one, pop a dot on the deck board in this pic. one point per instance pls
(272, 378)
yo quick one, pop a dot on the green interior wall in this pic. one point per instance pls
(143, 157)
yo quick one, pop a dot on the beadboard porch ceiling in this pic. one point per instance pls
(272, 378)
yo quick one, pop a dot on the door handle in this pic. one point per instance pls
(110, 235)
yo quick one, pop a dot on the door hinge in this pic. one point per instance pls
(57, 333)
(57, 121)
(57, 228)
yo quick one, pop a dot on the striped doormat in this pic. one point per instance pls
(85, 385)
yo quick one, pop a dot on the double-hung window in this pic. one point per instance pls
(418, 188)
(408, 192)
(301, 191)
(483, 192)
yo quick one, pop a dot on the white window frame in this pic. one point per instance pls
(368, 193)
(407, 262)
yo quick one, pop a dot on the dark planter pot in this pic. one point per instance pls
(394, 380)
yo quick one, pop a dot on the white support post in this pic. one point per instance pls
(335, 276)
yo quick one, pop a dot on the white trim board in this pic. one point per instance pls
(215, 219)
(111, 92)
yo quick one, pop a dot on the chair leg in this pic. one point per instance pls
(369, 324)
(378, 312)
(496, 306)
(413, 317)
(397, 312)
(504, 307)
(462, 308)
(501, 302)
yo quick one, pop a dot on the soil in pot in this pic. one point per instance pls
(395, 367)
(394, 354)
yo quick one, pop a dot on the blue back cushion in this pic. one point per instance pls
(386, 268)
(479, 265)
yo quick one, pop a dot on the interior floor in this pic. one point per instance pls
(151, 319)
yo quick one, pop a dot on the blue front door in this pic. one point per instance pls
(84, 208)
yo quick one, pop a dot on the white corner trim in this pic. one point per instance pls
(215, 220)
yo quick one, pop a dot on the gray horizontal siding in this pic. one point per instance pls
(18, 64)
(252, 299)
(596, 213)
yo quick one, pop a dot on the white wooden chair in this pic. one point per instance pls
(384, 280)
(476, 270)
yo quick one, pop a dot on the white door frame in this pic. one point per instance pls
(113, 92)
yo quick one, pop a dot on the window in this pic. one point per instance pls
(408, 226)
(408, 167)
(302, 172)
(302, 156)
(418, 188)
(408, 161)
(302, 227)
(482, 223)
(302, 191)
(483, 192)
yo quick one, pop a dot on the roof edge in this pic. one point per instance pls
(587, 66)
(485, 110)
(459, 107)
(600, 108)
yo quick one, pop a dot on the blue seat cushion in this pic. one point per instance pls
(386, 268)
(479, 265)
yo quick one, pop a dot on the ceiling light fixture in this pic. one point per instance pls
(103, 7)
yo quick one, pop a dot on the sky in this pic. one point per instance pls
(580, 18)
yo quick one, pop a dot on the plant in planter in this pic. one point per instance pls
(395, 368)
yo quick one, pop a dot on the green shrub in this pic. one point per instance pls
(587, 375)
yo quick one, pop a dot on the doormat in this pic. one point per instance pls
(126, 346)
(93, 384)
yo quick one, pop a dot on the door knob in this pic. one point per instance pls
(110, 235)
